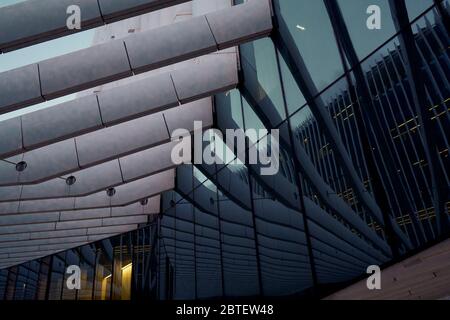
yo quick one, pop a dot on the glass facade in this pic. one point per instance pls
(117, 268)
(363, 176)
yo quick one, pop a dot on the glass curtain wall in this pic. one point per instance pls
(363, 179)
(113, 269)
(354, 186)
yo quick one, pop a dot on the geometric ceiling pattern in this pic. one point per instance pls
(95, 166)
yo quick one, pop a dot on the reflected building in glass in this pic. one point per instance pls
(363, 118)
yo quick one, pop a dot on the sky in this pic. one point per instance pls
(4, 3)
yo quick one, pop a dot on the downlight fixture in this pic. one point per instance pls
(70, 181)
(111, 192)
(21, 166)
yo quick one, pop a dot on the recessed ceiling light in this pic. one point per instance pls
(111, 192)
(21, 166)
(71, 180)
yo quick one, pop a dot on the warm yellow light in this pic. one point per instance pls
(104, 289)
(126, 282)
(127, 266)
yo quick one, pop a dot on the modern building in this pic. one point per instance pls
(363, 179)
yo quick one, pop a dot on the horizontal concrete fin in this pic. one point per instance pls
(143, 97)
(122, 195)
(36, 21)
(103, 145)
(148, 50)
(114, 10)
(238, 24)
(100, 177)
(78, 216)
(19, 88)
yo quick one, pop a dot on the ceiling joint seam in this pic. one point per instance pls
(175, 88)
(212, 33)
(121, 172)
(21, 133)
(40, 82)
(101, 13)
(100, 111)
(128, 58)
(76, 152)
(167, 127)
